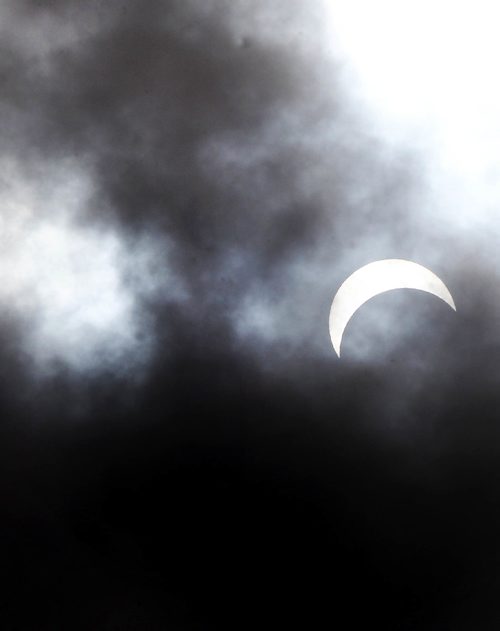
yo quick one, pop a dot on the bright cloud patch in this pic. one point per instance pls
(73, 284)
(427, 72)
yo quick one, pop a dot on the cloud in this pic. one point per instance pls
(185, 185)
(203, 128)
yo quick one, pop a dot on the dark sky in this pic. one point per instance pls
(185, 185)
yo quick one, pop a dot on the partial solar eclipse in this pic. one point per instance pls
(376, 278)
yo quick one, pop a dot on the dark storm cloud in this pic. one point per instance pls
(212, 145)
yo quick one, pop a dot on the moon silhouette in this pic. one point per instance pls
(376, 278)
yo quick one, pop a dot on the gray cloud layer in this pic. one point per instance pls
(221, 129)
(207, 162)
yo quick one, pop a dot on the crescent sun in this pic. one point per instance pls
(376, 278)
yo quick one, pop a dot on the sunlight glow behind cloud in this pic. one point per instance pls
(427, 72)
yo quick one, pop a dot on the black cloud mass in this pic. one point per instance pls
(185, 184)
